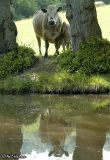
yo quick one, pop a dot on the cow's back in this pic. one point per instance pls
(37, 23)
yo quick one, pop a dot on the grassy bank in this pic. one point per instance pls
(44, 77)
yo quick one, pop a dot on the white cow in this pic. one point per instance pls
(47, 25)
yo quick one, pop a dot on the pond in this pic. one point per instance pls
(38, 127)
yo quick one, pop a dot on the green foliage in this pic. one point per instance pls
(26, 8)
(44, 77)
(45, 3)
(93, 57)
(66, 59)
(55, 83)
(23, 8)
(16, 62)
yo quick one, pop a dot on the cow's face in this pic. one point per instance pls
(52, 15)
(58, 150)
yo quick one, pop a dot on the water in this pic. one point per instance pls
(46, 127)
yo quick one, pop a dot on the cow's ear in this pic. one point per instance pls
(44, 10)
(59, 9)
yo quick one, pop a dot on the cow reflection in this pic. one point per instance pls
(54, 129)
(58, 150)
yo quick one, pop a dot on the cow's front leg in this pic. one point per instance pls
(46, 48)
(57, 46)
(39, 44)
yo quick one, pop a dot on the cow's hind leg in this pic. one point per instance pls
(46, 47)
(39, 44)
(63, 45)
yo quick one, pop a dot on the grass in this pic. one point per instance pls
(44, 77)
(26, 34)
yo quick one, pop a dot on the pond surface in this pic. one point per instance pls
(39, 127)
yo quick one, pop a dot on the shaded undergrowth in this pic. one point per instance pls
(45, 77)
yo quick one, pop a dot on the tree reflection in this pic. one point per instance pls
(90, 138)
(11, 137)
(10, 140)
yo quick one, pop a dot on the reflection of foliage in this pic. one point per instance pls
(101, 104)
(83, 104)
(19, 108)
(27, 108)
(32, 127)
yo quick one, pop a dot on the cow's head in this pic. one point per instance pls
(51, 13)
(58, 150)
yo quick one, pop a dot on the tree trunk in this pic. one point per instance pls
(8, 31)
(82, 17)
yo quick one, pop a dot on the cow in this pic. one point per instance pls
(64, 39)
(54, 129)
(47, 25)
(65, 36)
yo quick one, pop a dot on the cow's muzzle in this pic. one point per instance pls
(51, 23)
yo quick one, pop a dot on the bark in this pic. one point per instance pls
(8, 31)
(82, 17)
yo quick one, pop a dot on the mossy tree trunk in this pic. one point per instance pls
(8, 31)
(83, 21)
